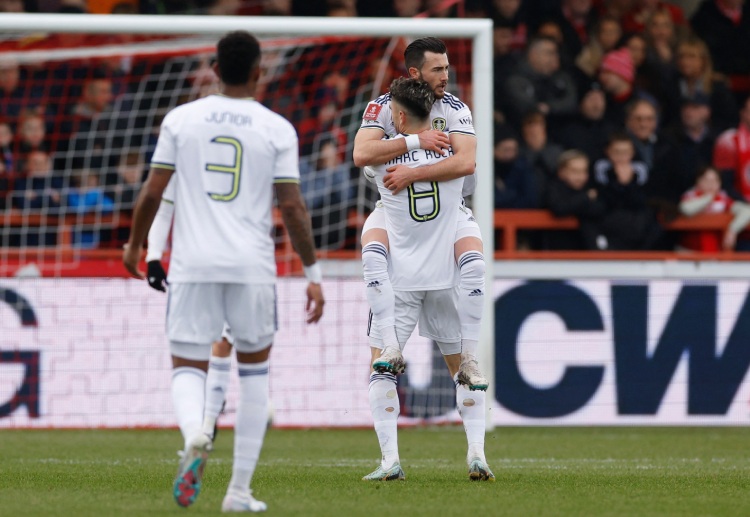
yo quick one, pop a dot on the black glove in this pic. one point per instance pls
(156, 276)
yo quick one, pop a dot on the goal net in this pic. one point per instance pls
(80, 112)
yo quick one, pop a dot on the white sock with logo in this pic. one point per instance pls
(385, 409)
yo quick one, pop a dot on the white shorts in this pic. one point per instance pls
(436, 313)
(467, 226)
(197, 313)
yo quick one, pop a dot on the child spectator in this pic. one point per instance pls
(569, 194)
(628, 223)
(31, 134)
(707, 197)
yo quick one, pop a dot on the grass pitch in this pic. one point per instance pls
(540, 472)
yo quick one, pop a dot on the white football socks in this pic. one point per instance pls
(251, 423)
(470, 406)
(470, 300)
(217, 384)
(379, 291)
(188, 394)
(385, 409)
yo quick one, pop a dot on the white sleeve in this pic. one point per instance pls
(157, 235)
(286, 167)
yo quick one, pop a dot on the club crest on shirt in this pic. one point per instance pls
(439, 124)
(372, 111)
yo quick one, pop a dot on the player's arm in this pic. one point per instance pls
(371, 149)
(157, 241)
(297, 223)
(462, 163)
(143, 216)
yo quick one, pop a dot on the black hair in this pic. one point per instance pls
(619, 136)
(237, 55)
(414, 95)
(414, 53)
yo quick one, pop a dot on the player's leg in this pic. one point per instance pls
(439, 321)
(383, 392)
(378, 288)
(192, 322)
(217, 381)
(470, 261)
(251, 314)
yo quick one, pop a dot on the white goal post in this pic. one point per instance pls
(478, 30)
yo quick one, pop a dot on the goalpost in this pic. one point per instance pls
(286, 34)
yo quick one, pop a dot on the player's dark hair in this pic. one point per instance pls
(414, 53)
(237, 54)
(414, 95)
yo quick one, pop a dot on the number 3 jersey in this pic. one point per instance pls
(421, 224)
(227, 153)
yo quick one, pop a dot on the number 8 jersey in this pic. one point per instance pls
(226, 153)
(421, 224)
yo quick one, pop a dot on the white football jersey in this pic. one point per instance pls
(448, 114)
(421, 224)
(226, 153)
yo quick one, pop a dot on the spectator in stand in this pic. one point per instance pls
(511, 14)
(4, 187)
(123, 184)
(325, 122)
(732, 155)
(696, 76)
(6, 148)
(661, 35)
(707, 197)
(12, 6)
(95, 99)
(40, 188)
(407, 8)
(538, 151)
(16, 94)
(440, 9)
(576, 18)
(637, 19)
(589, 130)
(341, 8)
(328, 191)
(724, 25)
(570, 194)
(628, 222)
(665, 181)
(651, 75)
(87, 197)
(694, 135)
(515, 182)
(277, 8)
(539, 84)
(617, 77)
(605, 35)
(505, 58)
(32, 135)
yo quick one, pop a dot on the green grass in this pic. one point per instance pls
(540, 472)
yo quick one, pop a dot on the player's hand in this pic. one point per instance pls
(157, 277)
(434, 140)
(315, 302)
(131, 255)
(398, 178)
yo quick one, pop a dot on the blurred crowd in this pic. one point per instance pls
(622, 113)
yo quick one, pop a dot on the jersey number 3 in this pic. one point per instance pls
(431, 197)
(233, 169)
